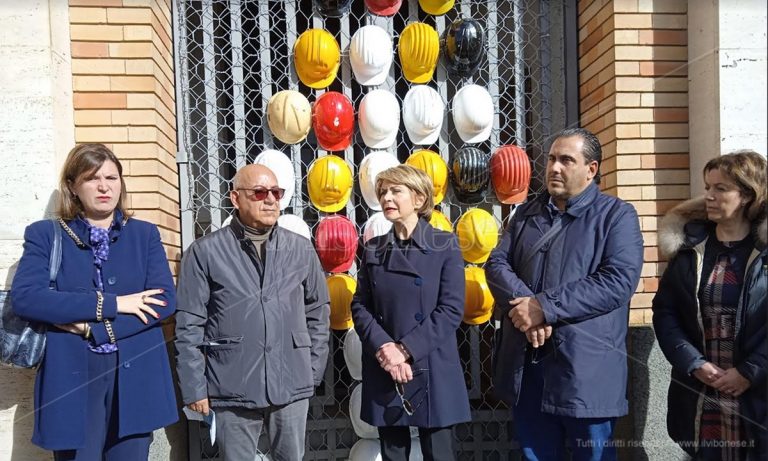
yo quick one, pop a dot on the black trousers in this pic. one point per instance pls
(436, 443)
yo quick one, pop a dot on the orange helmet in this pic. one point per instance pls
(510, 174)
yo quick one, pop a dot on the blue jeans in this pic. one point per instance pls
(547, 437)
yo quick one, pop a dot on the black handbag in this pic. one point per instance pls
(22, 343)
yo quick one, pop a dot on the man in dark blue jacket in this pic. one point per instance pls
(562, 277)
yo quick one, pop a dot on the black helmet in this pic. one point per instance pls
(470, 173)
(464, 45)
(333, 8)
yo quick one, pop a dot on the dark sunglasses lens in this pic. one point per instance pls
(399, 389)
(259, 194)
(278, 193)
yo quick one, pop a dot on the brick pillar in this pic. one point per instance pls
(634, 96)
(122, 73)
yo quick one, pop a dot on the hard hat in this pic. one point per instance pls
(371, 165)
(473, 113)
(365, 431)
(294, 224)
(282, 167)
(371, 55)
(341, 288)
(440, 221)
(336, 243)
(478, 301)
(289, 116)
(333, 119)
(510, 174)
(379, 118)
(376, 226)
(436, 7)
(419, 50)
(423, 111)
(383, 7)
(469, 174)
(464, 46)
(316, 56)
(332, 8)
(478, 234)
(435, 167)
(329, 181)
(353, 354)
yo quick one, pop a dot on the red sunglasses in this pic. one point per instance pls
(260, 193)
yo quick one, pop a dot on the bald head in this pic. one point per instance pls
(246, 176)
(252, 211)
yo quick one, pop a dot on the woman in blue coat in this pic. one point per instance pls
(407, 308)
(104, 383)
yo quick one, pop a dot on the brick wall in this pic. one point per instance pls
(122, 76)
(633, 87)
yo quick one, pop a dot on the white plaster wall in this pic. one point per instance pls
(728, 82)
(743, 80)
(36, 132)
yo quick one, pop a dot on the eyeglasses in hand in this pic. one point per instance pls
(260, 193)
(408, 406)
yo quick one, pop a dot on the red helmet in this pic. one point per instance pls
(383, 7)
(336, 242)
(510, 174)
(333, 119)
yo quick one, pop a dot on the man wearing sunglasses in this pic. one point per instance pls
(252, 327)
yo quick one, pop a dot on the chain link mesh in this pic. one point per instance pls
(232, 56)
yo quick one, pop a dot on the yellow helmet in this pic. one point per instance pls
(289, 116)
(330, 183)
(436, 7)
(478, 234)
(316, 56)
(440, 221)
(478, 301)
(419, 50)
(435, 167)
(341, 287)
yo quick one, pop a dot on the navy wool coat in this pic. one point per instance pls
(415, 297)
(586, 276)
(137, 262)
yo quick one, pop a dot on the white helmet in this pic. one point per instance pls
(379, 119)
(473, 113)
(282, 166)
(289, 116)
(353, 354)
(376, 225)
(423, 114)
(370, 53)
(371, 165)
(362, 429)
(294, 224)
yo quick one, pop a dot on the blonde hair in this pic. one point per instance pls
(83, 160)
(415, 180)
(747, 169)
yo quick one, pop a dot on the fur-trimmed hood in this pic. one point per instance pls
(672, 228)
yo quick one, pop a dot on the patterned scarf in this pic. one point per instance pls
(99, 239)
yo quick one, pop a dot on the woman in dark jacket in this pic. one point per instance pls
(408, 306)
(710, 312)
(104, 383)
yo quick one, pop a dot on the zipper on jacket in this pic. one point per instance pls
(699, 251)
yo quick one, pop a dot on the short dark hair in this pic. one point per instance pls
(592, 151)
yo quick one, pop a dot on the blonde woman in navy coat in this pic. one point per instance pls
(408, 305)
(105, 382)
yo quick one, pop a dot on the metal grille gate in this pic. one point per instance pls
(232, 55)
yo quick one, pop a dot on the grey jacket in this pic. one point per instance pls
(247, 335)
